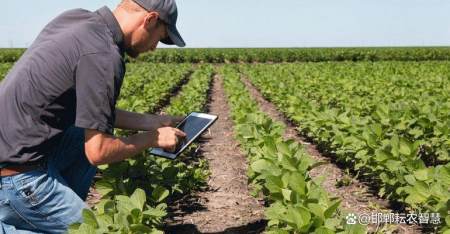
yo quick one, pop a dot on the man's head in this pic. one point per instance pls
(146, 22)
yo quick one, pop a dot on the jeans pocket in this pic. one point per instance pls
(33, 186)
(45, 202)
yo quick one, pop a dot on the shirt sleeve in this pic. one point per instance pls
(95, 91)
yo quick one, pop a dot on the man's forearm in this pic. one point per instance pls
(136, 121)
(101, 148)
(114, 149)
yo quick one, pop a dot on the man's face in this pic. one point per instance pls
(146, 37)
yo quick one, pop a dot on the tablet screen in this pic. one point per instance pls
(191, 126)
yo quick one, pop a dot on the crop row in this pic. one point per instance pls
(193, 97)
(147, 86)
(279, 169)
(276, 55)
(390, 121)
(234, 55)
(136, 192)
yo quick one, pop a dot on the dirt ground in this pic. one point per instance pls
(226, 206)
(356, 196)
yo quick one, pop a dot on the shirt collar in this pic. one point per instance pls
(112, 25)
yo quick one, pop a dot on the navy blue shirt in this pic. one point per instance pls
(70, 75)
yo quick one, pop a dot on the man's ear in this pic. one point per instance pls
(151, 19)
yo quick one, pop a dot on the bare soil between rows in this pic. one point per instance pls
(226, 205)
(356, 197)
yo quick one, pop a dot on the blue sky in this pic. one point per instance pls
(263, 23)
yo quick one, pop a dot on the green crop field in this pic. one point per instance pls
(279, 55)
(389, 120)
(4, 68)
(380, 114)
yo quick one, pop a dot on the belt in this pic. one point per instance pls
(15, 169)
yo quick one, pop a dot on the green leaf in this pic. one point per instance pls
(377, 129)
(138, 198)
(160, 193)
(443, 154)
(83, 229)
(104, 220)
(283, 147)
(286, 194)
(124, 204)
(401, 126)
(355, 229)
(414, 198)
(137, 215)
(246, 131)
(154, 213)
(410, 179)
(421, 175)
(382, 111)
(323, 230)
(287, 162)
(381, 156)
(393, 165)
(269, 146)
(140, 228)
(285, 179)
(103, 167)
(332, 209)
(263, 165)
(416, 132)
(299, 215)
(103, 187)
(405, 147)
(275, 211)
(89, 218)
(297, 183)
(274, 184)
(344, 118)
(370, 139)
(74, 228)
(105, 206)
(121, 219)
(395, 146)
(317, 210)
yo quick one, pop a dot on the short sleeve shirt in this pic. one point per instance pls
(70, 75)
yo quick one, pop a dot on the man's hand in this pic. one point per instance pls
(168, 138)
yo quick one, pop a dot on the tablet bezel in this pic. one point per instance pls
(160, 152)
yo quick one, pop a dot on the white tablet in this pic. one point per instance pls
(193, 125)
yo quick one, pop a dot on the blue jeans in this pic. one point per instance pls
(49, 199)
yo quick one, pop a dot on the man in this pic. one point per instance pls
(58, 111)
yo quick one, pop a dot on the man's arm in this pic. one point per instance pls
(143, 122)
(101, 148)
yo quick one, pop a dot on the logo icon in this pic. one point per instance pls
(351, 218)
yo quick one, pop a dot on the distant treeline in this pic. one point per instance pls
(276, 55)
